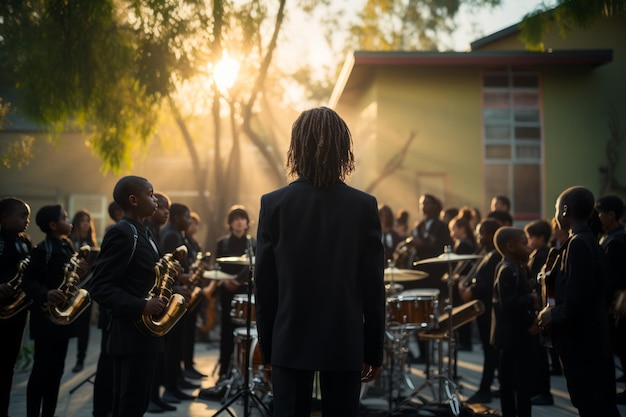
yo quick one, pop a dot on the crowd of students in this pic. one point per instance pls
(553, 292)
(549, 289)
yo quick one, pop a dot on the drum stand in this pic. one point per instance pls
(247, 393)
(448, 390)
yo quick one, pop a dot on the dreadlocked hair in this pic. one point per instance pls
(321, 148)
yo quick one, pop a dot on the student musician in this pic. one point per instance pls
(514, 327)
(45, 274)
(236, 243)
(15, 248)
(83, 233)
(122, 278)
(578, 321)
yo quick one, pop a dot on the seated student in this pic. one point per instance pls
(514, 327)
(122, 278)
(42, 280)
(15, 246)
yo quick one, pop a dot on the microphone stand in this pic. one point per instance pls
(247, 393)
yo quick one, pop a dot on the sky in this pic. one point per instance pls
(306, 39)
(490, 21)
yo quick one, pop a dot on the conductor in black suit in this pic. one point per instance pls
(320, 298)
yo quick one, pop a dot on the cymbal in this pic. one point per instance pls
(217, 274)
(447, 258)
(235, 260)
(401, 275)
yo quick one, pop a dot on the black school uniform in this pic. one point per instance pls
(45, 273)
(13, 248)
(122, 277)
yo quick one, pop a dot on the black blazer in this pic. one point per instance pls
(320, 297)
(580, 317)
(122, 277)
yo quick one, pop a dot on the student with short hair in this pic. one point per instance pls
(15, 247)
(42, 280)
(122, 278)
(514, 328)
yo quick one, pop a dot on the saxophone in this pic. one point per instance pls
(18, 300)
(78, 299)
(175, 304)
(197, 270)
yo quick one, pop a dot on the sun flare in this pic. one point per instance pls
(225, 72)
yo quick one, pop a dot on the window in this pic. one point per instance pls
(512, 139)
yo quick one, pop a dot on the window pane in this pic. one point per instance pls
(528, 151)
(526, 193)
(496, 182)
(497, 115)
(497, 132)
(528, 133)
(525, 80)
(525, 99)
(496, 80)
(526, 115)
(498, 152)
(496, 99)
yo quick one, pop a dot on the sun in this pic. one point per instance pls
(225, 72)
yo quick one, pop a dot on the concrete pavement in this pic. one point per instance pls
(75, 396)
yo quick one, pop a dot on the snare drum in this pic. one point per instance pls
(256, 363)
(239, 311)
(413, 309)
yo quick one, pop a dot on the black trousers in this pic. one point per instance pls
(173, 355)
(82, 326)
(42, 391)
(103, 383)
(132, 375)
(189, 338)
(490, 354)
(591, 385)
(516, 372)
(227, 341)
(12, 331)
(292, 390)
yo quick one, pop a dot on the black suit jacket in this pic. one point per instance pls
(580, 318)
(320, 297)
(122, 277)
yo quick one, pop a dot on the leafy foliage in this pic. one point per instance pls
(407, 24)
(565, 15)
(102, 65)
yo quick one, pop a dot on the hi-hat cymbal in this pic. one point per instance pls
(447, 258)
(217, 274)
(235, 260)
(400, 275)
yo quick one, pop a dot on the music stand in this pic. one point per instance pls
(247, 394)
(83, 382)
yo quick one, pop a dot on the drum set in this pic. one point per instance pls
(416, 312)
(247, 381)
(408, 312)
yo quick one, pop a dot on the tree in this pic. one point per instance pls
(565, 15)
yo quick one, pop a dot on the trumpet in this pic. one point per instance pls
(18, 300)
(78, 299)
(166, 270)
